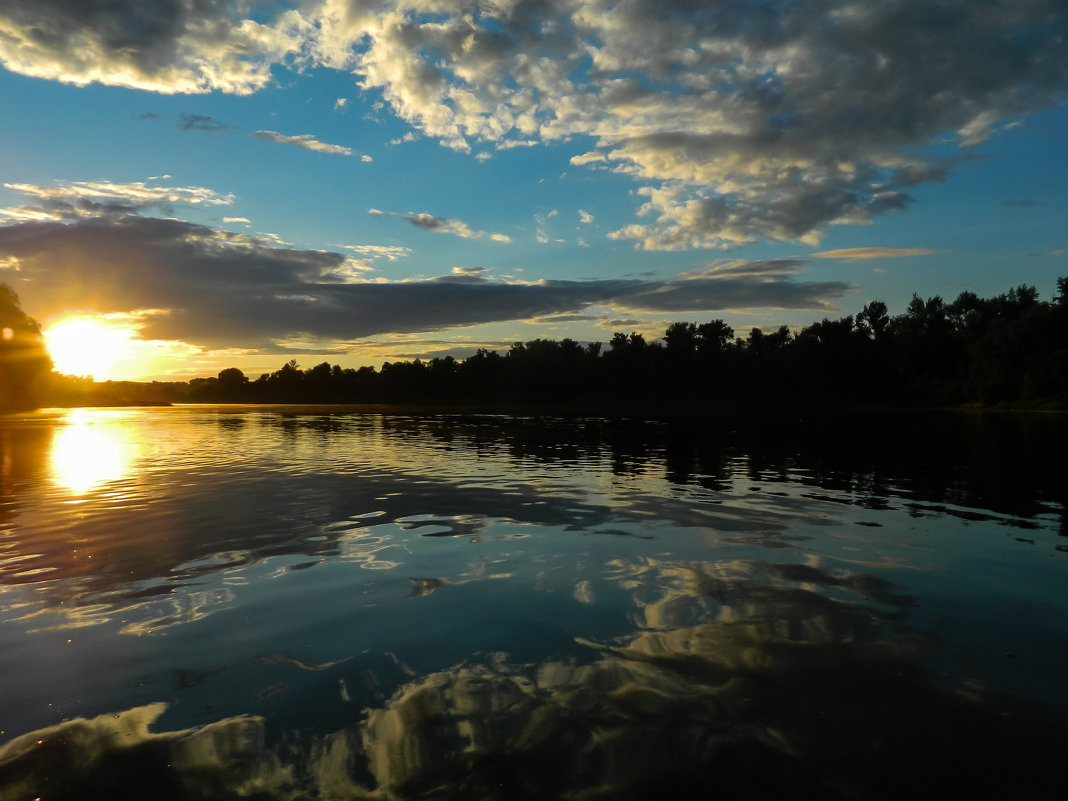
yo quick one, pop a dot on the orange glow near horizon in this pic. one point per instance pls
(90, 346)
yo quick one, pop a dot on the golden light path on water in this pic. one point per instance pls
(91, 450)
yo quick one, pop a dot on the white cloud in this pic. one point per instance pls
(388, 252)
(585, 217)
(136, 194)
(191, 47)
(307, 141)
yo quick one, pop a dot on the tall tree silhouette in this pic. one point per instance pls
(24, 362)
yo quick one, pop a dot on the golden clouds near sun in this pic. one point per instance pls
(90, 346)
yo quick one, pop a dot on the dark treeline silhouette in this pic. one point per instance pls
(1009, 349)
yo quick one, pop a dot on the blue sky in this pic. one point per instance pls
(238, 184)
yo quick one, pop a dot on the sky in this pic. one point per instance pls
(203, 184)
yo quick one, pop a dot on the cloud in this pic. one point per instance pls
(190, 47)
(81, 196)
(388, 252)
(213, 288)
(743, 122)
(585, 217)
(736, 268)
(306, 141)
(441, 225)
(244, 220)
(866, 254)
(200, 122)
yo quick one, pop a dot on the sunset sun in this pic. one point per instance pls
(87, 346)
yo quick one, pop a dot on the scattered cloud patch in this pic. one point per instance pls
(306, 141)
(585, 217)
(867, 254)
(387, 252)
(200, 122)
(81, 197)
(441, 225)
(736, 268)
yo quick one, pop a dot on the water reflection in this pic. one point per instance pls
(91, 450)
(777, 687)
(320, 604)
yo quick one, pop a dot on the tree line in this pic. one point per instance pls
(1011, 349)
(1008, 349)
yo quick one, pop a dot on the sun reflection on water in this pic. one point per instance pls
(90, 451)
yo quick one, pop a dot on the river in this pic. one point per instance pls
(333, 602)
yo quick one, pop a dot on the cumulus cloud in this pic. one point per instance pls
(441, 225)
(306, 141)
(744, 121)
(866, 254)
(741, 121)
(173, 46)
(585, 217)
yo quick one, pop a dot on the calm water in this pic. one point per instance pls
(210, 602)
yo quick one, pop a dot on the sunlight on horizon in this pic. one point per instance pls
(89, 346)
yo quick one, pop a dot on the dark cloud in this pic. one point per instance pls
(750, 292)
(221, 289)
(200, 122)
(440, 225)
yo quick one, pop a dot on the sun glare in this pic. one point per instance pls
(87, 346)
(90, 451)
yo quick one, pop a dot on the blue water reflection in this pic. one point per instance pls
(351, 604)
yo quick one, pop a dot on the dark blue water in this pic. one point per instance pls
(210, 602)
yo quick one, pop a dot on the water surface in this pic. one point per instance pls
(320, 602)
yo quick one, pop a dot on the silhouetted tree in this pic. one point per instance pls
(24, 362)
